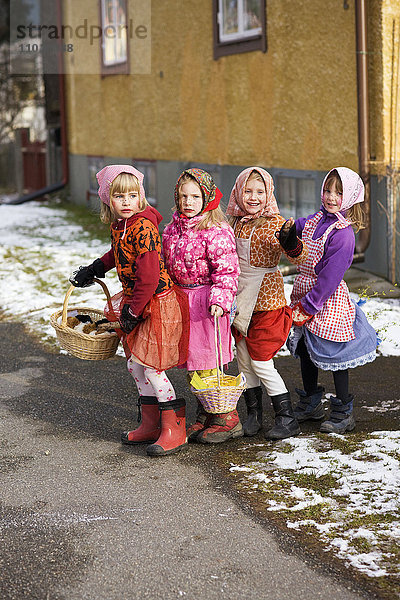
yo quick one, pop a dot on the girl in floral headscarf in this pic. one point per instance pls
(331, 333)
(263, 320)
(152, 312)
(200, 256)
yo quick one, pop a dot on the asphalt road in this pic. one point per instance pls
(83, 517)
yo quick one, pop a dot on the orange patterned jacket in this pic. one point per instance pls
(265, 251)
(136, 254)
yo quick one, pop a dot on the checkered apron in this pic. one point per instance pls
(335, 320)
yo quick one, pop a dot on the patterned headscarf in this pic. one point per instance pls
(106, 176)
(212, 195)
(236, 206)
(353, 191)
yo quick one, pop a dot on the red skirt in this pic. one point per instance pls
(268, 331)
(161, 341)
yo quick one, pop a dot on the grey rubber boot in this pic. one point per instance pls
(286, 423)
(253, 399)
(310, 407)
(340, 418)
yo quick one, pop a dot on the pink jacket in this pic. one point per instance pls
(202, 257)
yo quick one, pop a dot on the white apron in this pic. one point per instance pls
(250, 280)
(335, 320)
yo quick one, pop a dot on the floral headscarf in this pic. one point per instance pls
(236, 206)
(106, 176)
(353, 191)
(212, 195)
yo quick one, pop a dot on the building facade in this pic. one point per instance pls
(225, 84)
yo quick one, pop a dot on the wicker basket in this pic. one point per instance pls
(224, 394)
(83, 345)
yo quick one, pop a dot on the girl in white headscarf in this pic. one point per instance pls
(331, 332)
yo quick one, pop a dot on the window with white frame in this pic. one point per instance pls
(114, 43)
(239, 26)
(239, 19)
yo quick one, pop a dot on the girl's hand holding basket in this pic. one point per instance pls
(83, 345)
(220, 393)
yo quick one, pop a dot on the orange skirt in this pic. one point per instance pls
(161, 341)
(268, 331)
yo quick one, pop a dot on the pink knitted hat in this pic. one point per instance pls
(353, 191)
(106, 176)
(236, 206)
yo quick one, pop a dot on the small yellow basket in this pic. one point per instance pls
(220, 393)
(79, 344)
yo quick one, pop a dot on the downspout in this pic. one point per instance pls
(63, 126)
(364, 236)
(391, 170)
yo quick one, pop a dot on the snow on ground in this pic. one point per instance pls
(39, 250)
(345, 492)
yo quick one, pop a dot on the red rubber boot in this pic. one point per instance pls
(173, 429)
(149, 419)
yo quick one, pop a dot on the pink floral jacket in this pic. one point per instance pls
(202, 257)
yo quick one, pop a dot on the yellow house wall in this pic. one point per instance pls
(383, 60)
(293, 107)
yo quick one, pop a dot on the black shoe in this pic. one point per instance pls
(309, 408)
(253, 399)
(286, 424)
(341, 417)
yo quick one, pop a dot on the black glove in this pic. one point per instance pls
(287, 238)
(289, 241)
(83, 277)
(127, 320)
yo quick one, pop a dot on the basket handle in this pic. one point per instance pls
(218, 349)
(69, 292)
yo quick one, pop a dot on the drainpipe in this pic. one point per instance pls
(364, 236)
(63, 125)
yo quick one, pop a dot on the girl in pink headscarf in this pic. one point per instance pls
(263, 319)
(331, 332)
(152, 311)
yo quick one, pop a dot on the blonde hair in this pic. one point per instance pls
(355, 213)
(210, 218)
(255, 175)
(122, 184)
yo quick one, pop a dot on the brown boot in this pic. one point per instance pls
(221, 427)
(173, 429)
(149, 419)
(202, 421)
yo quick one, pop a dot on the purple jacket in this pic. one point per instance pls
(202, 257)
(337, 258)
